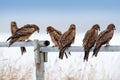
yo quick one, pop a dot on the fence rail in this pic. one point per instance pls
(45, 48)
(25, 43)
(111, 48)
(41, 50)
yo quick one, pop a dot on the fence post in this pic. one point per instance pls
(45, 56)
(39, 61)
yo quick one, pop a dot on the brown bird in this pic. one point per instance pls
(67, 39)
(54, 34)
(14, 28)
(23, 33)
(103, 38)
(89, 40)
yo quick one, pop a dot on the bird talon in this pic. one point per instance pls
(29, 40)
(54, 46)
(107, 45)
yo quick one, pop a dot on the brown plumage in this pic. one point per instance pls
(89, 40)
(23, 33)
(54, 34)
(66, 40)
(14, 28)
(103, 38)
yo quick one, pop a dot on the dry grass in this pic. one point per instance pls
(9, 72)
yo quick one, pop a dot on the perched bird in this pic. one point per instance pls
(23, 33)
(89, 40)
(66, 40)
(103, 38)
(54, 34)
(14, 28)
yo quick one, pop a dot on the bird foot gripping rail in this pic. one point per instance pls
(41, 50)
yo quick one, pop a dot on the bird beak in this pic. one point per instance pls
(114, 28)
(38, 31)
(99, 29)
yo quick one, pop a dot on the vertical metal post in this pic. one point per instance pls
(39, 61)
(45, 56)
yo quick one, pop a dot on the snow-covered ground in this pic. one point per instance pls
(104, 67)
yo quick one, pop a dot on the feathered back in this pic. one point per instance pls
(23, 33)
(67, 39)
(91, 36)
(51, 29)
(69, 35)
(54, 34)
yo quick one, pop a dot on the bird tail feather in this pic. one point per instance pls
(86, 55)
(96, 50)
(23, 50)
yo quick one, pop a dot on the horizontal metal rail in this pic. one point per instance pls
(25, 43)
(45, 48)
(111, 48)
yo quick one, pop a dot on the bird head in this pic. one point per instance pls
(72, 26)
(49, 29)
(13, 23)
(111, 27)
(36, 28)
(96, 26)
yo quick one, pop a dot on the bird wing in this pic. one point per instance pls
(21, 34)
(105, 36)
(24, 31)
(66, 40)
(55, 36)
(86, 37)
(67, 37)
(58, 32)
(90, 38)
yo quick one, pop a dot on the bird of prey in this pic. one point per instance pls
(54, 34)
(23, 33)
(14, 28)
(66, 40)
(103, 38)
(89, 40)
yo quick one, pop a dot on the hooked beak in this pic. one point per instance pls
(114, 28)
(99, 29)
(47, 32)
(38, 31)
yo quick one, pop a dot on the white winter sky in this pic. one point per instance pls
(59, 13)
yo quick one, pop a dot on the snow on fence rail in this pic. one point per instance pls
(41, 50)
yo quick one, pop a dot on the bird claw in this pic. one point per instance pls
(54, 46)
(29, 40)
(107, 45)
